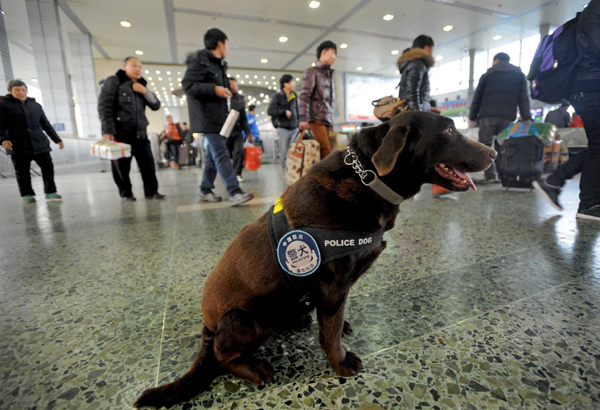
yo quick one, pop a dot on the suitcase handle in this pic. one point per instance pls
(299, 140)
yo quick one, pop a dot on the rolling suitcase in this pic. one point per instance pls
(301, 156)
(187, 154)
(521, 161)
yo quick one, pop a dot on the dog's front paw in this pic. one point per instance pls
(350, 366)
(347, 330)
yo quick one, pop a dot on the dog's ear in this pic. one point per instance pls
(391, 146)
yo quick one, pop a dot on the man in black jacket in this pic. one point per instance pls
(414, 65)
(501, 89)
(122, 105)
(235, 142)
(586, 100)
(22, 126)
(207, 88)
(284, 113)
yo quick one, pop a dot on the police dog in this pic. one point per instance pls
(244, 298)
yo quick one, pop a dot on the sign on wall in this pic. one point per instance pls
(361, 90)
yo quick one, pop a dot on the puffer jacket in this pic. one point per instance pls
(208, 111)
(122, 110)
(588, 41)
(316, 98)
(23, 124)
(414, 65)
(279, 105)
(239, 104)
(498, 93)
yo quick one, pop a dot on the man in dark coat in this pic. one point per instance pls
(22, 126)
(235, 142)
(500, 90)
(284, 113)
(207, 88)
(559, 117)
(586, 100)
(122, 105)
(414, 65)
(316, 98)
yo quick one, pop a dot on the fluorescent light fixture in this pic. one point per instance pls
(34, 80)
(314, 4)
(395, 52)
(358, 68)
(343, 45)
(448, 27)
(264, 60)
(125, 24)
(497, 37)
(388, 17)
(139, 52)
(283, 39)
(439, 58)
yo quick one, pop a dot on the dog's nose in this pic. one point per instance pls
(493, 154)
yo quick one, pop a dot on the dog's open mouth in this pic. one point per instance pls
(458, 179)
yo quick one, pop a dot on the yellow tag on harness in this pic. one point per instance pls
(278, 206)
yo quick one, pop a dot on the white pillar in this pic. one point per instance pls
(84, 84)
(6, 72)
(49, 53)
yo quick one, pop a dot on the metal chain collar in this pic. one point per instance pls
(351, 159)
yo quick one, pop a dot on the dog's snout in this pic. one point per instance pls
(493, 154)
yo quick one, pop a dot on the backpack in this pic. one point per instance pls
(554, 63)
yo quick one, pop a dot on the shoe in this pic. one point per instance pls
(549, 192)
(240, 198)
(210, 197)
(592, 213)
(240, 179)
(53, 197)
(128, 198)
(175, 165)
(156, 196)
(29, 199)
(486, 181)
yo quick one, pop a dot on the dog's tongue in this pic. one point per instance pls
(468, 178)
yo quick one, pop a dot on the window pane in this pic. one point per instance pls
(527, 52)
(512, 49)
(434, 80)
(449, 77)
(464, 73)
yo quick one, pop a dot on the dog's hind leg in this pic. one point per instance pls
(238, 335)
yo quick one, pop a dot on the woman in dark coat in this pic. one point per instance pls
(22, 126)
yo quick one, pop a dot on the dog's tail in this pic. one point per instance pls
(203, 371)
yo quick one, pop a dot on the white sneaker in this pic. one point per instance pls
(240, 179)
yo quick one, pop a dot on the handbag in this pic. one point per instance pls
(253, 157)
(387, 107)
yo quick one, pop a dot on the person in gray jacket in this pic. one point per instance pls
(122, 105)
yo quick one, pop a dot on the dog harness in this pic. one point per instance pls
(300, 252)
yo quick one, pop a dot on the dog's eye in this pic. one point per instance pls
(450, 129)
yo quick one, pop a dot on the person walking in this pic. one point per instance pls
(122, 105)
(315, 108)
(207, 88)
(414, 65)
(500, 90)
(284, 111)
(559, 117)
(174, 137)
(22, 127)
(235, 142)
(586, 100)
(254, 136)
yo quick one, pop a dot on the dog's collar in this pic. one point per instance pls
(377, 185)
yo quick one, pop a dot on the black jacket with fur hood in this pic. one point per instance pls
(414, 66)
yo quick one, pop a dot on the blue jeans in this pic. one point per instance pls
(217, 160)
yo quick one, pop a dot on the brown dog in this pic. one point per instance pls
(244, 294)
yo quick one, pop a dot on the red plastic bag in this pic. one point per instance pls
(253, 158)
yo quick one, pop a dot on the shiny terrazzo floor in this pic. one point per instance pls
(487, 300)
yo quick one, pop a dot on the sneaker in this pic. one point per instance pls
(210, 197)
(486, 181)
(29, 199)
(549, 192)
(128, 198)
(240, 198)
(592, 213)
(156, 196)
(240, 179)
(53, 197)
(175, 165)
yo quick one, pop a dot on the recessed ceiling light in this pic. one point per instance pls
(264, 60)
(168, 73)
(125, 24)
(313, 64)
(394, 52)
(343, 45)
(255, 76)
(258, 82)
(388, 17)
(149, 78)
(247, 76)
(397, 71)
(159, 78)
(439, 58)
(272, 77)
(34, 80)
(147, 72)
(152, 83)
(448, 27)
(283, 39)
(314, 4)
(497, 37)
(297, 79)
(139, 52)
(358, 68)
(237, 76)
(242, 82)
(249, 82)
(157, 72)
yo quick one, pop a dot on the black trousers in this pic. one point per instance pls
(489, 129)
(174, 150)
(569, 169)
(235, 145)
(140, 149)
(22, 162)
